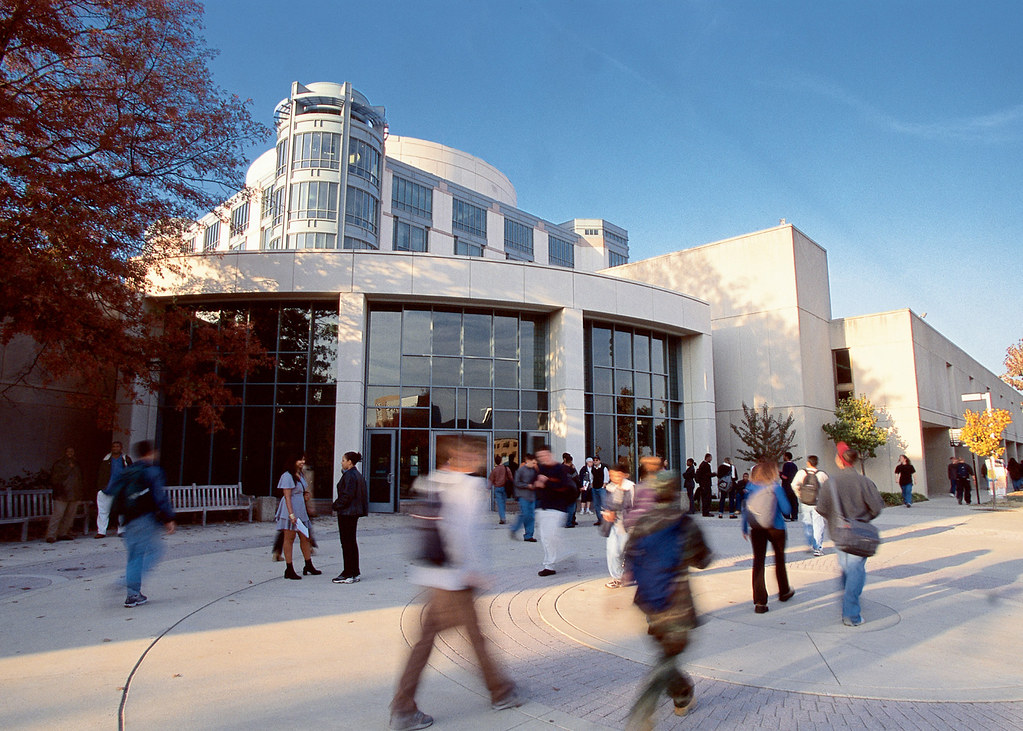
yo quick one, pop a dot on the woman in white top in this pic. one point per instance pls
(620, 498)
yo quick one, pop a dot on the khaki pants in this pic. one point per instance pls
(61, 519)
(444, 610)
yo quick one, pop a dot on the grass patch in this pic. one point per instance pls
(895, 498)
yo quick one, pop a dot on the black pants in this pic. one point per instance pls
(963, 491)
(758, 538)
(703, 497)
(347, 525)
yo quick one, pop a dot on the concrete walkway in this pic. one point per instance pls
(226, 642)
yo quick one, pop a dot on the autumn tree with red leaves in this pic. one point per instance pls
(113, 137)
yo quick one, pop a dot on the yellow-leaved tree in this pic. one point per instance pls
(982, 434)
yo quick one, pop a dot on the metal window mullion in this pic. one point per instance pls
(342, 192)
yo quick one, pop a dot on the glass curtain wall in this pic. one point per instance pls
(633, 394)
(284, 408)
(447, 369)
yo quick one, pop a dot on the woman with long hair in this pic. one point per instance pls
(292, 517)
(765, 477)
(904, 471)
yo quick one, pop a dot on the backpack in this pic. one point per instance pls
(811, 485)
(654, 560)
(963, 471)
(427, 521)
(133, 496)
(761, 507)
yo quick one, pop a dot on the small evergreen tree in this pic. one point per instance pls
(856, 425)
(767, 437)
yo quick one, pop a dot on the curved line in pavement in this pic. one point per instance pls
(138, 664)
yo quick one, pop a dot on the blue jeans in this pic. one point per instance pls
(854, 576)
(907, 494)
(527, 517)
(142, 539)
(570, 515)
(599, 495)
(500, 496)
(615, 550)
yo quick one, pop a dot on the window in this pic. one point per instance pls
(843, 374)
(561, 253)
(518, 240)
(616, 239)
(409, 237)
(277, 206)
(354, 243)
(271, 239)
(314, 240)
(240, 219)
(468, 218)
(591, 232)
(361, 209)
(211, 238)
(266, 202)
(616, 259)
(314, 199)
(364, 161)
(411, 197)
(282, 156)
(467, 248)
(317, 150)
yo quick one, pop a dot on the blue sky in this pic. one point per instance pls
(888, 132)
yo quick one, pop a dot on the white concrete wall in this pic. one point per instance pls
(459, 167)
(350, 414)
(567, 373)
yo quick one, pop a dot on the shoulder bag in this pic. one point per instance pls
(858, 537)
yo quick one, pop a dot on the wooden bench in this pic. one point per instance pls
(24, 506)
(206, 498)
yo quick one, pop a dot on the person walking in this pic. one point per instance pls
(497, 481)
(109, 469)
(964, 473)
(788, 472)
(598, 479)
(904, 472)
(293, 518)
(451, 581)
(570, 521)
(555, 492)
(807, 484)
(851, 496)
(763, 523)
(66, 482)
(664, 544)
(352, 503)
(525, 493)
(727, 479)
(139, 497)
(620, 500)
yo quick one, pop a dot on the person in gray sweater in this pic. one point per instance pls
(855, 496)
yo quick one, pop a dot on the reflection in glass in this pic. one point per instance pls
(623, 383)
(477, 372)
(506, 399)
(415, 369)
(506, 330)
(447, 333)
(443, 404)
(506, 373)
(479, 408)
(447, 371)
(323, 363)
(291, 368)
(601, 346)
(419, 418)
(291, 395)
(602, 382)
(506, 419)
(642, 383)
(641, 352)
(294, 332)
(623, 349)
(477, 334)
(415, 396)
(384, 346)
(415, 332)
(657, 360)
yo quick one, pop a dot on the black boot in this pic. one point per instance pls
(310, 569)
(289, 573)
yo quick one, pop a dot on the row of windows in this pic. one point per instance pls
(467, 248)
(364, 161)
(468, 218)
(314, 199)
(313, 240)
(211, 237)
(616, 239)
(615, 259)
(316, 150)
(561, 252)
(240, 219)
(411, 197)
(361, 209)
(518, 239)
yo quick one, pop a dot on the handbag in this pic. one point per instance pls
(854, 536)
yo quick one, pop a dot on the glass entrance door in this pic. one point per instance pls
(381, 471)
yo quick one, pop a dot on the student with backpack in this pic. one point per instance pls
(763, 522)
(807, 484)
(664, 543)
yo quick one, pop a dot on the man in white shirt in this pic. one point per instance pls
(813, 522)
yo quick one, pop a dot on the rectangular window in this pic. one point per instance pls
(616, 259)
(616, 239)
(313, 240)
(592, 232)
(467, 248)
(364, 161)
(561, 253)
(411, 197)
(518, 240)
(468, 218)
(277, 207)
(282, 157)
(240, 219)
(317, 150)
(843, 374)
(409, 237)
(353, 243)
(211, 238)
(314, 199)
(361, 209)
(266, 202)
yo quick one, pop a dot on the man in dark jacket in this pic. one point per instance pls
(138, 494)
(555, 494)
(351, 504)
(704, 476)
(66, 481)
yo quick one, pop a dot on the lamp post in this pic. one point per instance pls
(985, 396)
